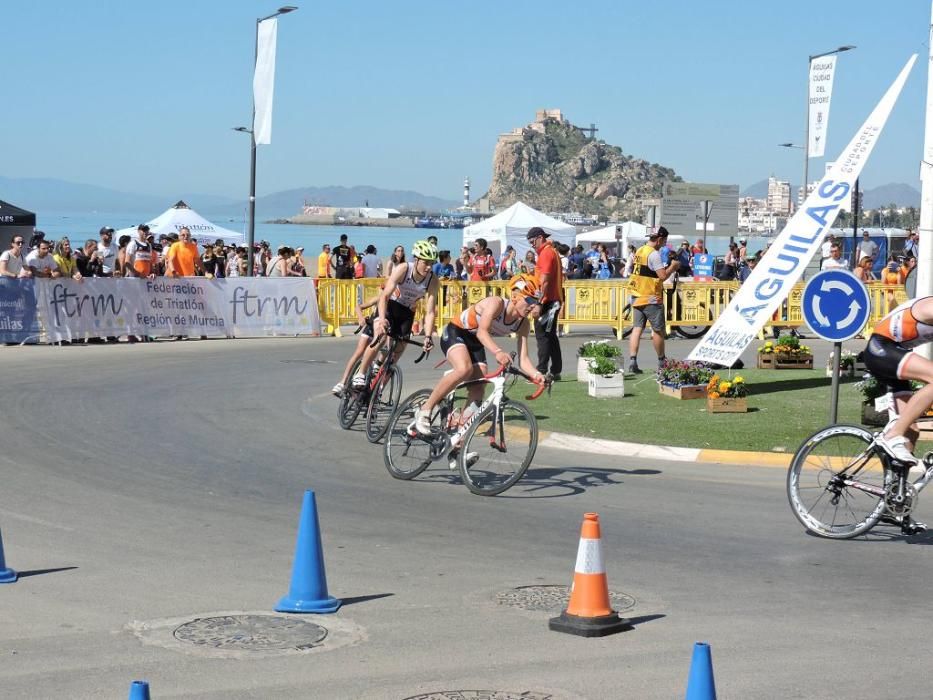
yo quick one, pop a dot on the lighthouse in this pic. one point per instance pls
(466, 193)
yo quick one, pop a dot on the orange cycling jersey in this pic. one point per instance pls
(469, 321)
(903, 328)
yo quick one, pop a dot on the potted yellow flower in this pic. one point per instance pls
(724, 396)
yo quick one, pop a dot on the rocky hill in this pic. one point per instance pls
(553, 165)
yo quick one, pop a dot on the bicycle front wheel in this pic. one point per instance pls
(407, 455)
(836, 482)
(498, 448)
(350, 403)
(382, 403)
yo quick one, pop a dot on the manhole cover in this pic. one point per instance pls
(553, 598)
(481, 695)
(251, 633)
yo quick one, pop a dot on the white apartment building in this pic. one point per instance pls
(779, 197)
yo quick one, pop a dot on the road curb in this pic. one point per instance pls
(576, 443)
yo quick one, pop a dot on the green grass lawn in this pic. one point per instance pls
(785, 406)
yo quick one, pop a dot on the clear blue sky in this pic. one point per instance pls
(140, 96)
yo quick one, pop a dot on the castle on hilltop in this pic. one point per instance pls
(542, 117)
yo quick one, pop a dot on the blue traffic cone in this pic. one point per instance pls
(308, 590)
(139, 690)
(6, 575)
(700, 685)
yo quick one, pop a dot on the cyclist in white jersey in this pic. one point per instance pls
(466, 338)
(408, 283)
(890, 358)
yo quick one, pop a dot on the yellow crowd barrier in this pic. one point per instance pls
(691, 306)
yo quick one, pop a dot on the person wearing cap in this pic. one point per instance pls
(743, 252)
(107, 251)
(342, 259)
(549, 274)
(648, 275)
(140, 255)
(910, 245)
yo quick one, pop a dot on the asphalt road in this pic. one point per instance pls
(145, 486)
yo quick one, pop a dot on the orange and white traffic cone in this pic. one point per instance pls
(588, 614)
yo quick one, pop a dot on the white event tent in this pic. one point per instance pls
(631, 231)
(172, 220)
(509, 228)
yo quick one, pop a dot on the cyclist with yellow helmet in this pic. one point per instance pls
(467, 337)
(395, 309)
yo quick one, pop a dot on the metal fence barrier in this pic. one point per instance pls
(690, 306)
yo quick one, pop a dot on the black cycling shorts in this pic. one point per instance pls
(400, 319)
(884, 359)
(454, 335)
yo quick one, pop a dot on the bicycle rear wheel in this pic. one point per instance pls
(382, 403)
(406, 455)
(350, 403)
(498, 448)
(836, 482)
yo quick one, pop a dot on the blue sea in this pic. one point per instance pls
(81, 226)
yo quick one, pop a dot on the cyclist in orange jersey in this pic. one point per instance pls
(890, 358)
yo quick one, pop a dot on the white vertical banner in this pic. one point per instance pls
(264, 80)
(781, 267)
(822, 71)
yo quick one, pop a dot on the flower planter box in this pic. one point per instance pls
(765, 360)
(683, 392)
(604, 387)
(843, 372)
(583, 367)
(725, 404)
(793, 362)
(872, 417)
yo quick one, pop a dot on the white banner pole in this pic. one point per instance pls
(925, 229)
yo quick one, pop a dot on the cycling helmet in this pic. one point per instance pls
(526, 284)
(424, 250)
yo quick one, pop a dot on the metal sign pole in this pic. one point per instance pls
(834, 396)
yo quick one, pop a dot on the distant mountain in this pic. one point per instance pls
(896, 192)
(759, 190)
(899, 193)
(51, 195)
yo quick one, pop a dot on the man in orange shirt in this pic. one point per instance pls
(550, 277)
(183, 258)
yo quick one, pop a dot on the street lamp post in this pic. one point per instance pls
(251, 235)
(806, 140)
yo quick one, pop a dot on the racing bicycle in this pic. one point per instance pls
(381, 391)
(841, 483)
(492, 447)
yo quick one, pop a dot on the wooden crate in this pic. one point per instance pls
(687, 391)
(766, 361)
(725, 404)
(794, 363)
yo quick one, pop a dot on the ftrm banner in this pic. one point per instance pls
(164, 306)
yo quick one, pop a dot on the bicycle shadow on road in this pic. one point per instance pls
(556, 482)
(887, 533)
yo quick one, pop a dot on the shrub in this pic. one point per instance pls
(599, 348)
(603, 366)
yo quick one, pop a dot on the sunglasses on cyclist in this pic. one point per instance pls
(532, 300)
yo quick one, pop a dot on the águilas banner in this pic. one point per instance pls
(19, 322)
(161, 307)
(780, 268)
(264, 80)
(822, 71)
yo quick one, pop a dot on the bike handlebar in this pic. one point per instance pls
(379, 339)
(512, 369)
